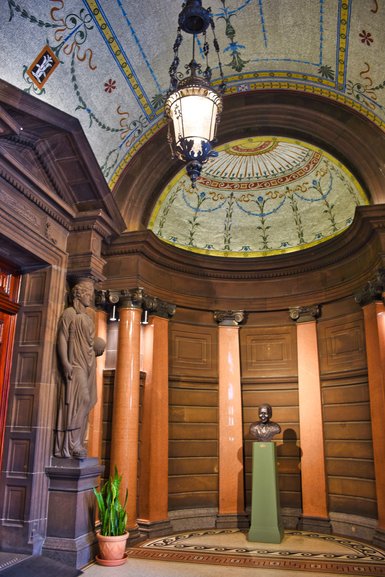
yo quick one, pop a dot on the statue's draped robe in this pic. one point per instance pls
(77, 396)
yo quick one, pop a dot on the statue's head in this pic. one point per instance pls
(265, 412)
(83, 292)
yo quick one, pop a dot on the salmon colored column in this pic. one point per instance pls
(231, 509)
(125, 415)
(153, 480)
(95, 427)
(315, 515)
(374, 317)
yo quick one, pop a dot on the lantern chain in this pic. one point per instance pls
(222, 85)
(173, 70)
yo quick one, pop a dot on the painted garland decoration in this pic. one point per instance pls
(260, 197)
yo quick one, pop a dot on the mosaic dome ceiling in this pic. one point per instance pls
(259, 197)
(106, 61)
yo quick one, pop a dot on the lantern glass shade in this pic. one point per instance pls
(194, 111)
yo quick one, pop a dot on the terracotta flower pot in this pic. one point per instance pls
(111, 549)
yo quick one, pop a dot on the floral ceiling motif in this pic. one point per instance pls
(106, 61)
(259, 197)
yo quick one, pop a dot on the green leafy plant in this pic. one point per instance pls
(112, 512)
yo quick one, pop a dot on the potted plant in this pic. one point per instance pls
(113, 535)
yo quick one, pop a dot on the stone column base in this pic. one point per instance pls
(316, 524)
(73, 552)
(150, 529)
(71, 510)
(232, 521)
(133, 535)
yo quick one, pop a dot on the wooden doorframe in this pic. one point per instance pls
(9, 294)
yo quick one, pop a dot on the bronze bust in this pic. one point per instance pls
(264, 429)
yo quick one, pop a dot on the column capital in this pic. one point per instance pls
(158, 307)
(134, 298)
(305, 314)
(229, 318)
(373, 290)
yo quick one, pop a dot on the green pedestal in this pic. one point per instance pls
(266, 524)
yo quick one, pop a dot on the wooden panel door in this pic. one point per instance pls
(9, 291)
(7, 330)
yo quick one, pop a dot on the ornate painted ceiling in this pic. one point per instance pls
(259, 197)
(106, 62)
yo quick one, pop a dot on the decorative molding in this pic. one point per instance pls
(368, 219)
(48, 233)
(97, 221)
(305, 314)
(373, 290)
(229, 318)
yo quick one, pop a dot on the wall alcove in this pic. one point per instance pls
(265, 286)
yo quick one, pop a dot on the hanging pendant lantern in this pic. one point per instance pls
(193, 105)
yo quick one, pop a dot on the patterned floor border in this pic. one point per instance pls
(365, 560)
(9, 559)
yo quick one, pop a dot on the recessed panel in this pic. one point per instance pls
(22, 413)
(18, 457)
(269, 352)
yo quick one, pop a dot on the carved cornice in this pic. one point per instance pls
(134, 298)
(34, 198)
(305, 314)
(30, 143)
(96, 220)
(373, 290)
(229, 318)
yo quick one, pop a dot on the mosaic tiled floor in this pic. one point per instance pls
(298, 551)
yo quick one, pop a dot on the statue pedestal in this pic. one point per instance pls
(266, 524)
(71, 535)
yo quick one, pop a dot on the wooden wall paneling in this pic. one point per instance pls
(193, 413)
(268, 351)
(346, 410)
(193, 444)
(193, 350)
(269, 375)
(284, 400)
(342, 343)
(348, 445)
(108, 399)
(95, 420)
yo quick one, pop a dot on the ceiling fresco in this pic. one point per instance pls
(259, 197)
(106, 61)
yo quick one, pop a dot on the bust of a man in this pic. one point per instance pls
(264, 429)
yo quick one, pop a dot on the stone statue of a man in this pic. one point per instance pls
(77, 349)
(264, 429)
